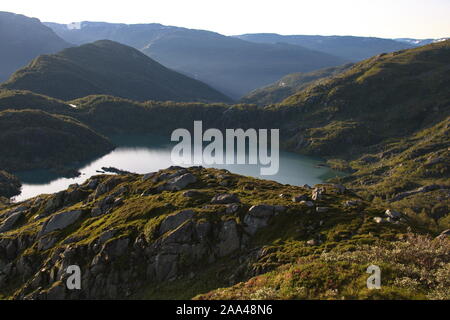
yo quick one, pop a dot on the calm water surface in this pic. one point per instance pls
(144, 154)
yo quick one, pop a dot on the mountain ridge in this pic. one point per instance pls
(227, 64)
(352, 48)
(107, 67)
(23, 39)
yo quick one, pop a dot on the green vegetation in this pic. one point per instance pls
(20, 100)
(9, 185)
(233, 66)
(386, 121)
(181, 244)
(36, 139)
(107, 67)
(289, 85)
(414, 268)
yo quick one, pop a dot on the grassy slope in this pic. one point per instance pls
(284, 264)
(106, 67)
(36, 139)
(389, 95)
(289, 85)
(20, 100)
(395, 139)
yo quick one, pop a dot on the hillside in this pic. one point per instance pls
(208, 234)
(9, 185)
(184, 233)
(20, 100)
(106, 67)
(23, 39)
(232, 66)
(289, 85)
(347, 47)
(383, 120)
(36, 139)
(411, 173)
(388, 96)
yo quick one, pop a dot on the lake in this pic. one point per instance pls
(147, 153)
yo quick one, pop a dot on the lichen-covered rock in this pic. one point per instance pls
(225, 198)
(9, 222)
(175, 220)
(229, 238)
(179, 182)
(258, 217)
(126, 244)
(393, 214)
(61, 221)
(299, 198)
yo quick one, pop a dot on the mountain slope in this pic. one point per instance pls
(383, 121)
(289, 85)
(347, 47)
(23, 39)
(419, 42)
(20, 100)
(179, 233)
(390, 95)
(106, 67)
(35, 139)
(230, 65)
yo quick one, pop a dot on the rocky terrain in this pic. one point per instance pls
(184, 233)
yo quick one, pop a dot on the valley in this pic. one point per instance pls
(87, 177)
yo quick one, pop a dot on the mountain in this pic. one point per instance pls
(389, 95)
(107, 67)
(183, 233)
(289, 85)
(205, 234)
(23, 39)
(347, 47)
(228, 64)
(420, 42)
(35, 139)
(383, 120)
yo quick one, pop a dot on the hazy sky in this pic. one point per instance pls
(381, 18)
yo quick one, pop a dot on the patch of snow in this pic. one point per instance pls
(74, 26)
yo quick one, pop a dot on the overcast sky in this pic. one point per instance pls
(380, 18)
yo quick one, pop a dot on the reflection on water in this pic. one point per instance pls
(148, 153)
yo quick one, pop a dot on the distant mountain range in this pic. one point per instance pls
(228, 64)
(347, 47)
(420, 42)
(107, 67)
(232, 65)
(23, 39)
